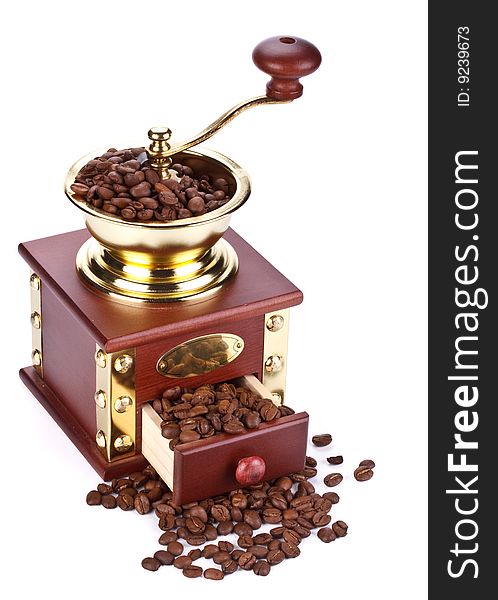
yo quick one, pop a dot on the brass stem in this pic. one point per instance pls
(225, 118)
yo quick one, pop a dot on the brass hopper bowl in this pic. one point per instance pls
(186, 258)
(162, 261)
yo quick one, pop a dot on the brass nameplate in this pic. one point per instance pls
(200, 355)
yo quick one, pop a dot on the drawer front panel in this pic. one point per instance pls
(207, 467)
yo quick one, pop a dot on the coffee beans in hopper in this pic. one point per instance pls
(290, 504)
(122, 183)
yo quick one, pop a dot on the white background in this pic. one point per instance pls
(338, 205)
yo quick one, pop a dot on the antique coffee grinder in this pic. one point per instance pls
(123, 310)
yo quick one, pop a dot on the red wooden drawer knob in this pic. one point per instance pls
(250, 470)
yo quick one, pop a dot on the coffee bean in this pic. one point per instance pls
(167, 537)
(220, 513)
(79, 189)
(176, 548)
(262, 538)
(220, 557)
(261, 567)
(210, 533)
(93, 498)
(195, 525)
(126, 502)
(252, 518)
(151, 564)
(192, 571)
(245, 541)
(335, 460)
(289, 550)
(214, 574)
(164, 557)
(277, 532)
(209, 551)
(332, 479)
(363, 473)
(323, 439)
(275, 557)
(291, 537)
(166, 522)
(195, 554)
(258, 551)
(272, 515)
(340, 528)
(104, 489)
(225, 528)
(320, 519)
(225, 546)
(242, 529)
(142, 504)
(247, 561)
(332, 496)
(109, 501)
(182, 562)
(367, 463)
(274, 545)
(311, 462)
(327, 535)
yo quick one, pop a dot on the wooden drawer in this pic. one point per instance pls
(205, 468)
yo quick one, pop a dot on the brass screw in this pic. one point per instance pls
(36, 320)
(123, 443)
(100, 398)
(36, 357)
(123, 363)
(273, 364)
(100, 439)
(275, 323)
(101, 359)
(122, 404)
(34, 281)
(159, 137)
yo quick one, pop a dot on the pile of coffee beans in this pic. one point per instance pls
(191, 414)
(289, 508)
(122, 183)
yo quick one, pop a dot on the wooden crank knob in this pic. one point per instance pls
(250, 470)
(286, 59)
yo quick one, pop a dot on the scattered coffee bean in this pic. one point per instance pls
(93, 498)
(363, 473)
(247, 561)
(332, 496)
(323, 439)
(327, 535)
(151, 564)
(274, 557)
(365, 463)
(335, 460)
(109, 501)
(176, 548)
(340, 528)
(164, 557)
(332, 479)
(104, 489)
(261, 567)
(142, 504)
(167, 537)
(182, 562)
(192, 571)
(311, 462)
(214, 574)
